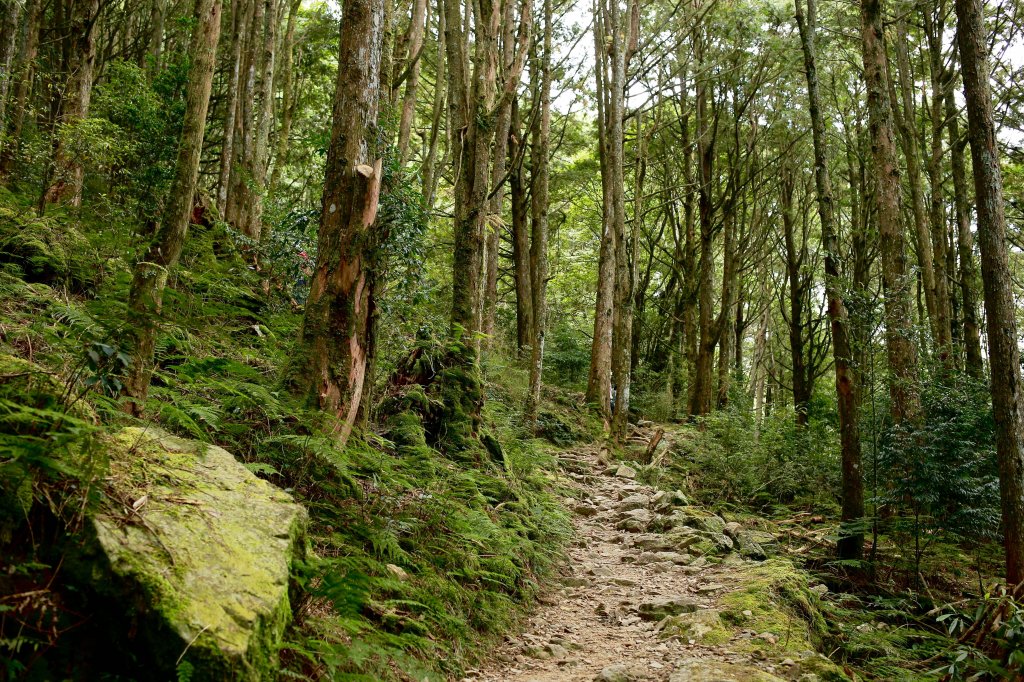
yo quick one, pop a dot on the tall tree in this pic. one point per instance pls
(967, 270)
(331, 360)
(897, 278)
(253, 120)
(68, 174)
(23, 75)
(10, 24)
(851, 540)
(936, 299)
(1004, 352)
(599, 384)
(470, 101)
(540, 163)
(145, 298)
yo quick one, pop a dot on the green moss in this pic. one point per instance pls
(704, 626)
(209, 550)
(774, 601)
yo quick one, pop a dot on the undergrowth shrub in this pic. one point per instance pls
(728, 460)
(946, 481)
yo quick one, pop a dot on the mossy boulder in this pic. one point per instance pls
(704, 625)
(773, 599)
(709, 670)
(198, 551)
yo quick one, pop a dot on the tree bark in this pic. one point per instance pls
(850, 545)
(599, 385)
(287, 97)
(539, 163)
(967, 271)
(1004, 354)
(417, 28)
(936, 209)
(471, 112)
(248, 175)
(701, 383)
(145, 297)
(897, 279)
(936, 299)
(622, 44)
(796, 256)
(23, 76)
(429, 172)
(512, 64)
(330, 365)
(520, 238)
(68, 173)
(9, 29)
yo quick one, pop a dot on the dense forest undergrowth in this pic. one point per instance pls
(479, 527)
(427, 546)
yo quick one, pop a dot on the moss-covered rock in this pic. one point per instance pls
(442, 384)
(708, 670)
(704, 625)
(772, 598)
(199, 551)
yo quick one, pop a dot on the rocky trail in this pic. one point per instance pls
(661, 590)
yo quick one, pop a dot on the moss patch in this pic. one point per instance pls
(205, 547)
(773, 612)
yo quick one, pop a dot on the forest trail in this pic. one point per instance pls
(637, 606)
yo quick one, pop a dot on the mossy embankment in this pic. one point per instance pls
(426, 542)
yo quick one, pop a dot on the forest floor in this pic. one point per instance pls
(643, 606)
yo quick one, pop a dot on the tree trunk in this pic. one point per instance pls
(241, 16)
(68, 173)
(795, 258)
(936, 209)
(287, 97)
(23, 76)
(935, 303)
(727, 315)
(1000, 310)
(512, 64)
(622, 313)
(520, 239)
(599, 385)
(896, 276)
(539, 163)
(145, 297)
(471, 104)
(417, 28)
(248, 175)
(9, 28)
(850, 545)
(701, 383)
(155, 46)
(330, 365)
(967, 271)
(440, 100)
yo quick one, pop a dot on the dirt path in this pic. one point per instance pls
(627, 584)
